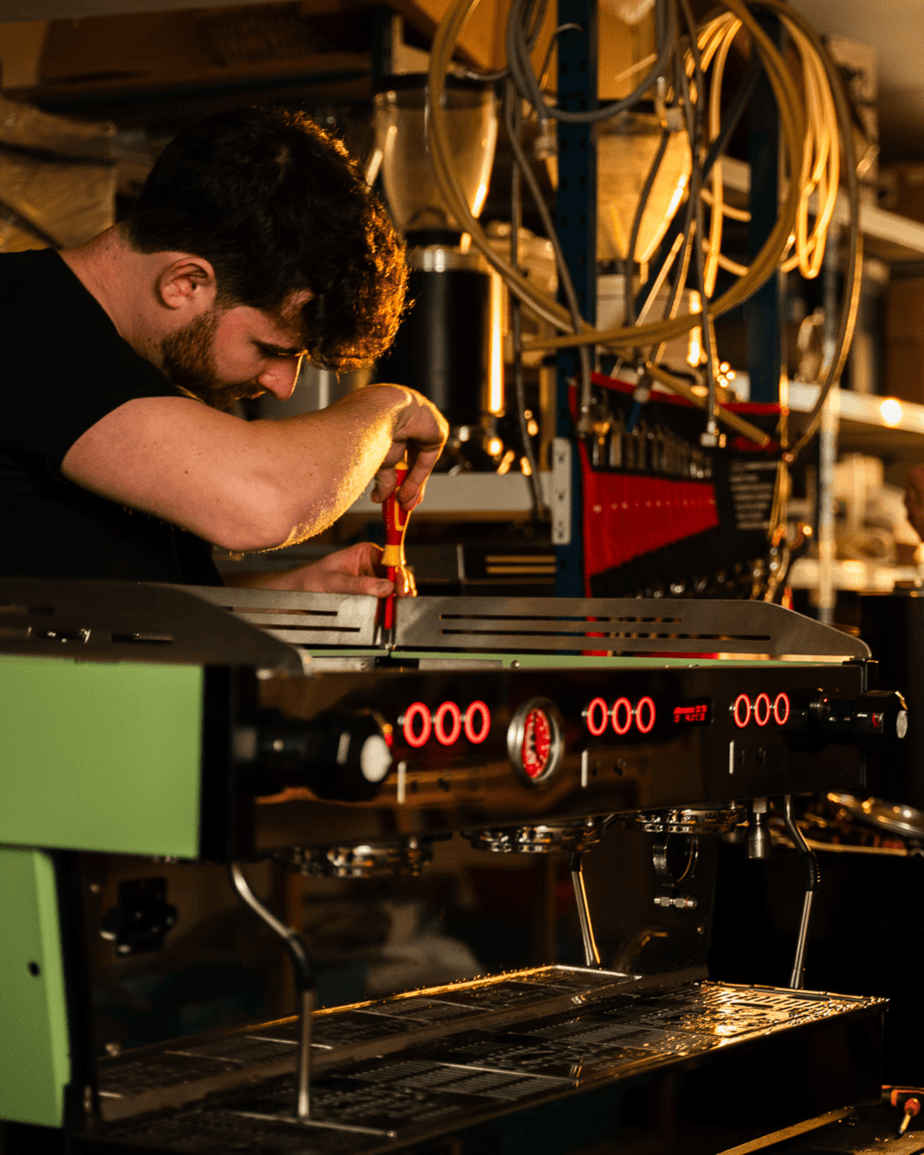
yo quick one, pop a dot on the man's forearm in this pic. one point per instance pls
(254, 485)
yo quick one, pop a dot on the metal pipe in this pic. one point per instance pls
(307, 1003)
(305, 980)
(797, 978)
(591, 954)
(810, 863)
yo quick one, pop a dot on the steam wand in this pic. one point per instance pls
(305, 983)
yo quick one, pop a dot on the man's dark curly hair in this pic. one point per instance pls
(276, 205)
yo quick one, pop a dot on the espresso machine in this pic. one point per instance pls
(153, 734)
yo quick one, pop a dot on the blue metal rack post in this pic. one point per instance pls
(576, 213)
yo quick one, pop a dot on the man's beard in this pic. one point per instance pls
(189, 362)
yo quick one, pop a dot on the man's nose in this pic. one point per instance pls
(280, 377)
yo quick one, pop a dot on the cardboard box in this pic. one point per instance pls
(902, 189)
(904, 343)
(57, 178)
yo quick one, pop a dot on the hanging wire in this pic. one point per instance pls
(809, 157)
(524, 75)
(624, 336)
(513, 122)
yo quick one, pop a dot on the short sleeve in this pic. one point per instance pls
(65, 366)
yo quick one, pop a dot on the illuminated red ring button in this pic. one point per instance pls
(622, 726)
(479, 709)
(781, 709)
(597, 715)
(645, 724)
(741, 711)
(439, 724)
(418, 710)
(762, 709)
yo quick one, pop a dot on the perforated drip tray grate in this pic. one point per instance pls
(443, 1060)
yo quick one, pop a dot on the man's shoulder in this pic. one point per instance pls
(40, 295)
(45, 260)
(21, 271)
(53, 330)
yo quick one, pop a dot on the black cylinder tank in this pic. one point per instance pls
(443, 347)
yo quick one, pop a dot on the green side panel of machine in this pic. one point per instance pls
(98, 756)
(34, 1052)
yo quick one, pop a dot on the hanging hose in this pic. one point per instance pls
(811, 155)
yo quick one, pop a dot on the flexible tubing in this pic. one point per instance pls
(763, 266)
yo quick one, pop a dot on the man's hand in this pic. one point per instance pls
(420, 435)
(355, 570)
(914, 499)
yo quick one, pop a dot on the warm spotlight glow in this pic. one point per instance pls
(695, 343)
(505, 462)
(891, 412)
(496, 348)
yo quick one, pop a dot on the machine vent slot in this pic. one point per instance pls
(102, 621)
(301, 619)
(629, 626)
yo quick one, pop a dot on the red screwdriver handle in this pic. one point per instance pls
(395, 519)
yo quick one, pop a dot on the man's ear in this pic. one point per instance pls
(187, 283)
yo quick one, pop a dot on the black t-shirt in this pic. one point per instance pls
(63, 367)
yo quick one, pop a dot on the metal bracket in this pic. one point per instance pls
(561, 491)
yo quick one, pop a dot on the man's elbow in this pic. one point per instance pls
(259, 520)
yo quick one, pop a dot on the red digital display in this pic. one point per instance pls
(697, 712)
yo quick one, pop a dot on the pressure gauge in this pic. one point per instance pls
(534, 740)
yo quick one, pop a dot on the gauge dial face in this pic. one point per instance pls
(535, 740)
(537, 743)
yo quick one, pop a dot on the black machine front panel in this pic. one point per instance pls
(486, 748)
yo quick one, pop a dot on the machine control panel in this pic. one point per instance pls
(454, 750)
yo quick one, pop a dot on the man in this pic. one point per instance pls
(254, 242)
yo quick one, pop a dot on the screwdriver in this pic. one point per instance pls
(911, 1107)
(395, 519)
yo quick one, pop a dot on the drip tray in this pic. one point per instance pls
(407, 1069)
